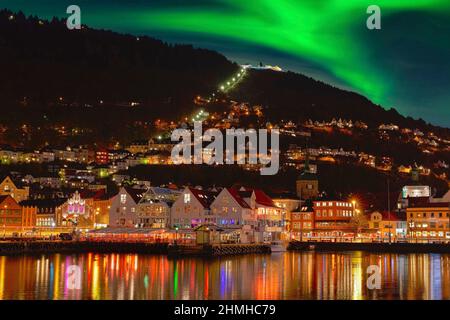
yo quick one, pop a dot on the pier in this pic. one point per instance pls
(42, 247)
(217, 249)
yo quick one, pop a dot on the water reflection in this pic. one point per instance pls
(308, 275)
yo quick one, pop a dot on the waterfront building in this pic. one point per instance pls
(154, 208)
(14, 189)
(86, 210)
(289, 203)
(231, 212)
(46, 211)
(75, 213)
(192, 208)
(29, 215)
(384, 223)
(428, 221)
(101, 201)
(12, 217)
(334, 218)
(302, 221)
(269, 216)
(123, 209)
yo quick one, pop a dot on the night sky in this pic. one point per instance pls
(405, 65)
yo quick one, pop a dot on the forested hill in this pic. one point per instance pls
(298, 97)
(43, 60)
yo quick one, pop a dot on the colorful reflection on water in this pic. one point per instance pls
(308, 275)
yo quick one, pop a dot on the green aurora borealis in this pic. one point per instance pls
(404, 65)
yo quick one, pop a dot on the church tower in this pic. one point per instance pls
(307, 182)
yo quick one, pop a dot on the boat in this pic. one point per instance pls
(278, 246)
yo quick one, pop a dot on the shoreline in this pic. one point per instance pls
(370, 247)
(50, 247)
(175, 251)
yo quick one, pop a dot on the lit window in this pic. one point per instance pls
(123, 198)
(187, 197)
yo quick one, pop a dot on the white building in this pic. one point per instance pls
(231, 211)
(192, 208)
(154, 208)
(123, 211)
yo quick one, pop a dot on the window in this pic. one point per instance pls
(187, 197)
(123, 198)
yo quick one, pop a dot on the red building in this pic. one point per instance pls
(333, 218)
(322, 219)
(302, 222)
(14, 218)
(102, 156)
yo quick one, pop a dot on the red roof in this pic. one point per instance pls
(237, 196)
(263, 199)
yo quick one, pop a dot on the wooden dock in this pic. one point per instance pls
(216, 249)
